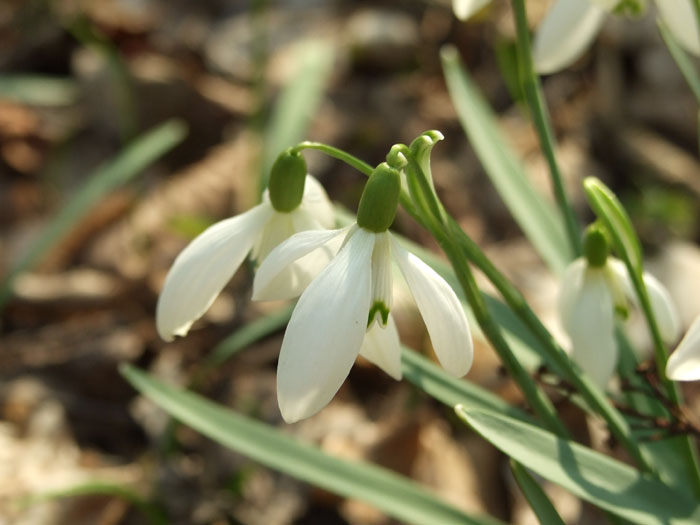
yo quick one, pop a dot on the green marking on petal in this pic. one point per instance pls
(378, 308)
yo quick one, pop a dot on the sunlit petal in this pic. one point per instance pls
(684, 363)
(680, 17)
(464, 9)
(441, 310)
(590, 325)
(571, 284)
(290, 267)
(317, 203)
(325, 332)
(278, 229)
(664, 309)
(566, 31)
(204, 267)
(381, 346)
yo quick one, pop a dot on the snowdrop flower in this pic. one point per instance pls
(346, 310)
(571, 25)
(594, 288)
(294, 202)
(684, 363)
(464, 9)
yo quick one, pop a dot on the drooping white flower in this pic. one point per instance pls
(346, 310)
(684, 363)
(203, 268)
(571, 25)
(590, 296)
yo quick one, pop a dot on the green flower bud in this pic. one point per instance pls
(595, 245)
(380, 199)
(287, 179)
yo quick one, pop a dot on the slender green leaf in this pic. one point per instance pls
(682, 60)
(599, 479)
(153, 514)
(39, 90)
(298, 101)
(536, 216)
(536, 497)
(143, 151)
(386, 490)
(609, 210)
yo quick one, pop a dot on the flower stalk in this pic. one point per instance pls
(541, 120)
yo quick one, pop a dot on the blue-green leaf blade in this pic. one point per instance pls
(594, 477)
(389, 492)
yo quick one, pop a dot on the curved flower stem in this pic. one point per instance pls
(542, 122)
(339, 154)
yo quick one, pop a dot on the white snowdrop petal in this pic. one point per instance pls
(441, 310)
(680, 17)
(684, 363)
(566, 31)
(279, 228)
(204, 267)
(464, 9)
(325, 332)
(590, 325)
(381, 346)
(664, 309)
(315, 200)
(571, 283)
(290, 267)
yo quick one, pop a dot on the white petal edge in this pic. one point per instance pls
(289, 268)
(325, 332)
(680, 17)
(684, 363)
(441, 310)
(566, 31)
(381, 347)
(315, 200)
(590, 325)
(464, 9)
(664, 308)
(570, 288)
(203, 268)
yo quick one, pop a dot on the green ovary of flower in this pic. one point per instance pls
(595, 246)
(380, 199)
(287, 179)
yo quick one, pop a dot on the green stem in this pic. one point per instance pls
(336, 153)
(564, 366)
(542, 122)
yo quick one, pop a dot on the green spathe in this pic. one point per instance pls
(379, 199)
(287, 178)
(595, 245)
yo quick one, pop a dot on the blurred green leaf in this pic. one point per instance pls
(683, 61)
(39, 90)
(594, 477)
(298, 102)
(395, 495)
(536, 216)
(536, 497)
(143, 151)
(153, 514)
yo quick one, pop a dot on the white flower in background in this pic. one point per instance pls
(684, 363)
(571, 25)
(594, 288)
(294, 202)
(345, 311)
(464, 9)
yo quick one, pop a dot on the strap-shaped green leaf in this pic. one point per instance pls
(537, 217)
(594, 477)
(535, 495)
(395, 495)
